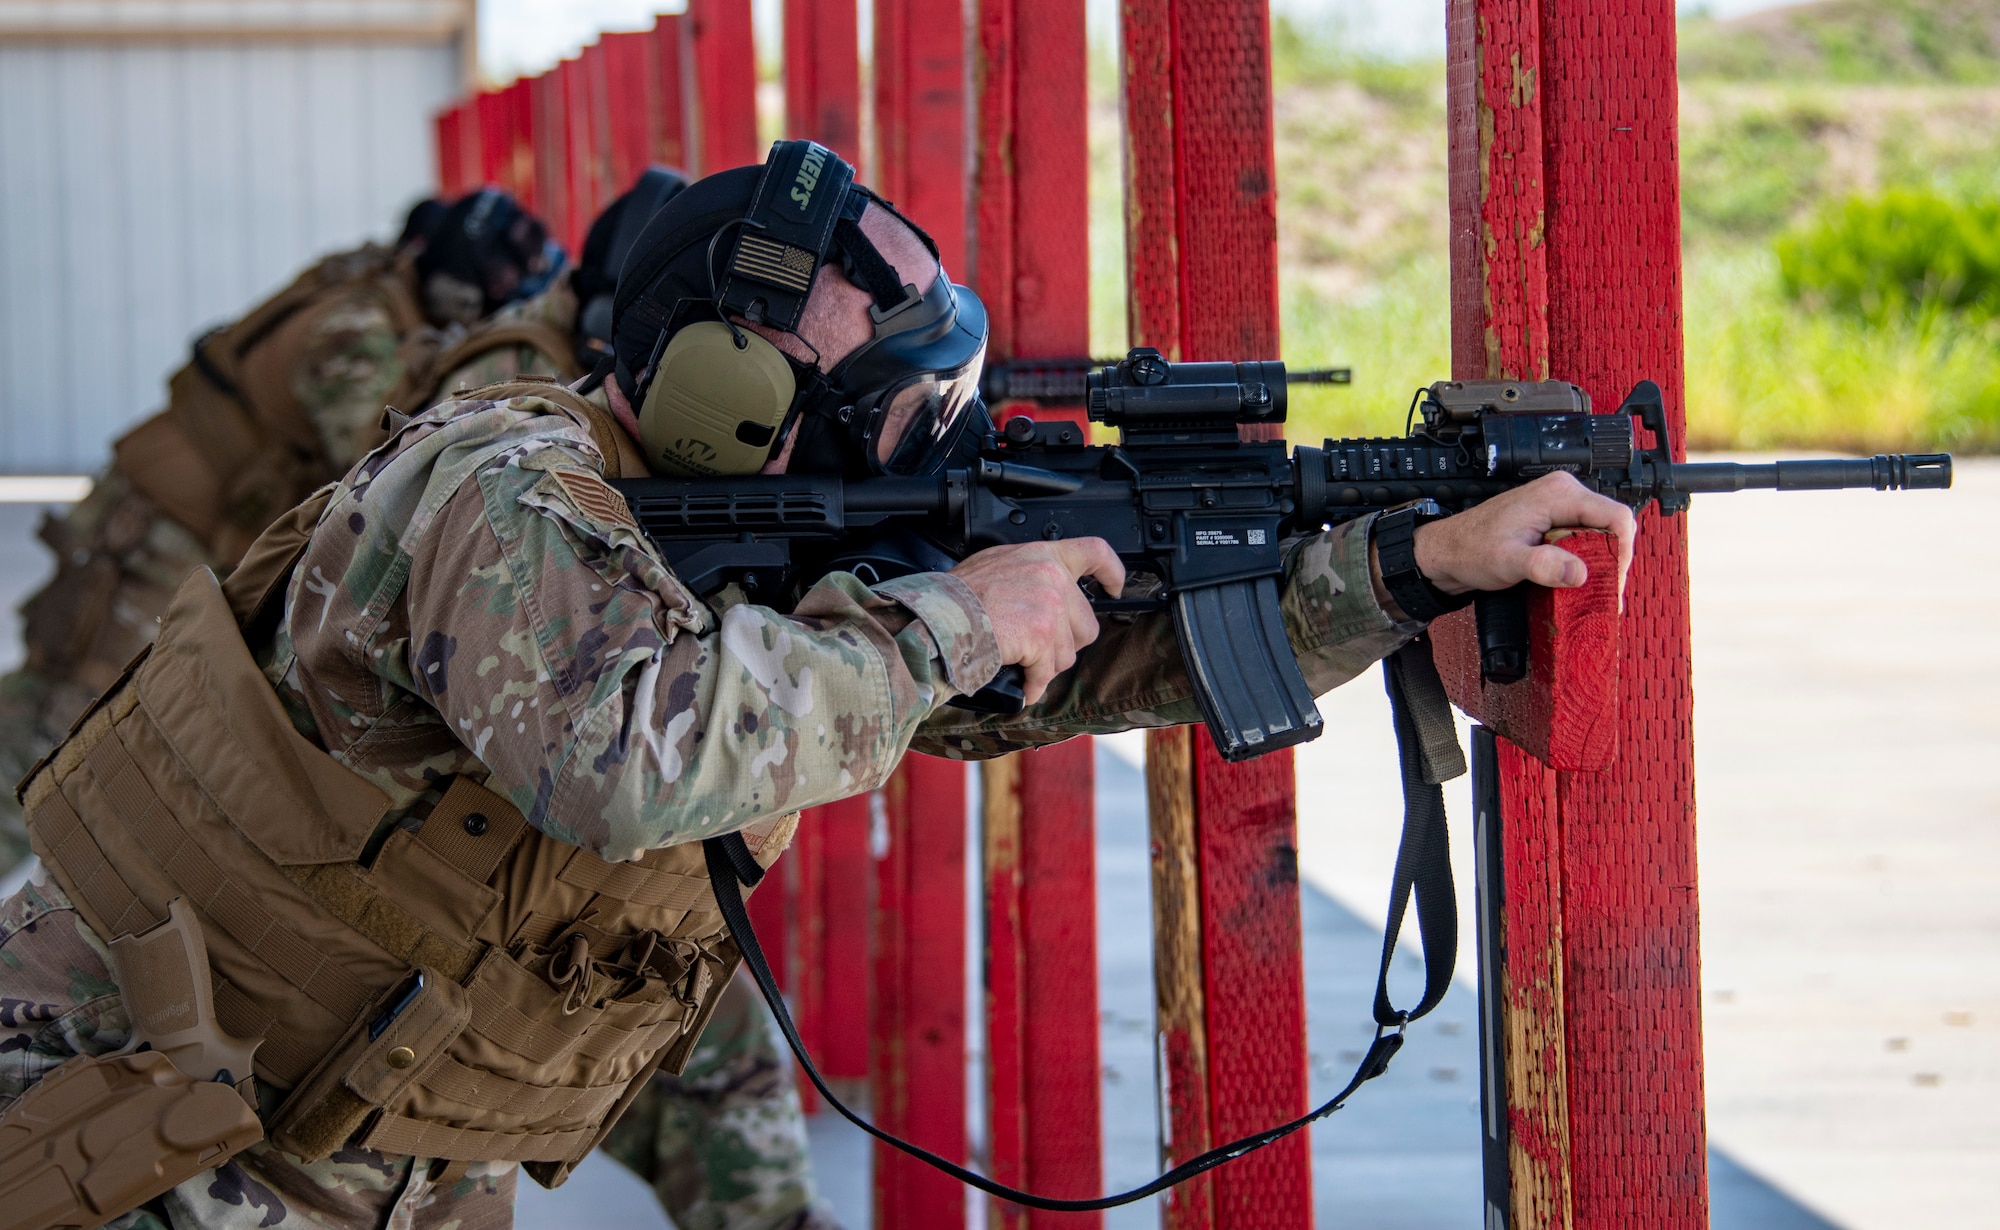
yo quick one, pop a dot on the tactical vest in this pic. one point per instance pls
(553, 983)
(234, 448)
(423, 383)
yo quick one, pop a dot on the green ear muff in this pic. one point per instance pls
(714, 408)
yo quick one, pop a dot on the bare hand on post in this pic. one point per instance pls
(1499, 543)
(1040, 618)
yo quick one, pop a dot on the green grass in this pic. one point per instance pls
(1763, 372)
(1365, 279)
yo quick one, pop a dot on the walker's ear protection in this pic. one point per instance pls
(718, 399)
(720, 395)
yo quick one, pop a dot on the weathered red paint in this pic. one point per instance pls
(1201, 184)
(1566, 263)
(669, 38)
(1041, 981)
(1565, 713)
(920, 86)
(917, 1066)
(724, 55)
(823, 75)
(632, 92)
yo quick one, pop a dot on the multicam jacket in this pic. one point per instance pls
(477, 600)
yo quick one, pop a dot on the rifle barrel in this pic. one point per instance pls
(1883, 472)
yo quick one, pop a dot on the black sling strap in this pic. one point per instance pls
(1423, 734)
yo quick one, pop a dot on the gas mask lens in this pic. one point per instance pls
(916, 421)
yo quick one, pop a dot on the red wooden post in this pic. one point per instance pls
(1201, 190)
(823, 75)
(595, 67)
(1563, 131)
(550, 134)
(491, 109)
(920, 84)
(920, 71)
(632, 90)
(724, 55)
(580, 152)
(822, 61)
(845, 875)
(1031, 266)
(917, 1069)
(1041, 980)
(669, 38)
(518, 165)
(455, 168)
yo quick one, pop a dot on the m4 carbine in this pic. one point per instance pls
(1200, 517)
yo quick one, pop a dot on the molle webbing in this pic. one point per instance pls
(555, 347)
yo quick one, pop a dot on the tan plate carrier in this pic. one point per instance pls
(554, 983)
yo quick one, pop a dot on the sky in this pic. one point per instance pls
(527, 36)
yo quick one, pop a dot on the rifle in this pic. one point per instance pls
(1199, 516)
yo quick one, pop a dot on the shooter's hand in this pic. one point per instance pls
(1499, 543)
(1040, 617)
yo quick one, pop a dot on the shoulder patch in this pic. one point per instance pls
(594, 498)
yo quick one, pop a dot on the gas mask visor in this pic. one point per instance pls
(907, 396)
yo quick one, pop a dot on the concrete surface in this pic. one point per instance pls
(1848, 760)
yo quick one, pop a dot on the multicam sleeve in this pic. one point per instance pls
(349, 365)
(1133, 675)
(620, 713)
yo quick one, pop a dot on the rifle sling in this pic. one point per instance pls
(1423, 866)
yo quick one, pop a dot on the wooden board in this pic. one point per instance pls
(1202, 238)
(1565, 713)
(920, 139)
(917, 1064)
(1041, 980)
(723, 52)
(1566, 263)
(671, 146)
(823, 76)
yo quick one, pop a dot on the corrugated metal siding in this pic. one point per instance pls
(149, 191)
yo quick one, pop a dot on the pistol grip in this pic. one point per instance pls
(1005, 695)
(1246, 677)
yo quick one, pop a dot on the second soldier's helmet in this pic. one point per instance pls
(485, 253)
(595, 278)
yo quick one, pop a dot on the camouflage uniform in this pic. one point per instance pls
(476, 600)
(734, 1111)
(119, 557)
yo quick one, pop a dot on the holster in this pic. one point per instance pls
(103, 1134)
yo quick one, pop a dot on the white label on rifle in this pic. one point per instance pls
(1216, 538)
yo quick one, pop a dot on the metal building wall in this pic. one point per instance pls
(151, 189)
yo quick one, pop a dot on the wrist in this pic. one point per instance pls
(1398, 564)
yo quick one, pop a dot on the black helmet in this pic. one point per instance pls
(422, 222)
(610, 240)
(747, 244)
(487, 242)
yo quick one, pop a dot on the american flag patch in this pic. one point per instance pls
(594, 498)
(778, 264)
